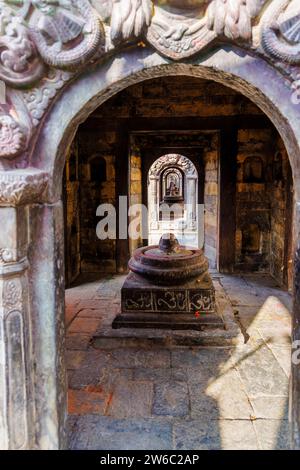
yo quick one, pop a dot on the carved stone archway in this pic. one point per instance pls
(55, 78)
(189, 234)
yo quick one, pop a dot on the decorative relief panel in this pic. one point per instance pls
(169, 160)
(12, 137)
(45, 43)
(168, 301)
(281, 31)
(20, 65)
(18, 188)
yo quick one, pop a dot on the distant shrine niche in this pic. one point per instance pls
(173, 200)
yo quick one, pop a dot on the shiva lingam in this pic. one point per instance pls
(168, 286)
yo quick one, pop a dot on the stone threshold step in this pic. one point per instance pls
(147, 337)
(171, 321)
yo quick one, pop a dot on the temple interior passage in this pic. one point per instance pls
(189, 141)
(147, 389)
(198, 144)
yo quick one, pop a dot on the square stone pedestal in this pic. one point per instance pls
(188, 306)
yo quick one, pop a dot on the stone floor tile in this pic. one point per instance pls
(238, 435)
(197, 435)
(171, 399)
(273, 434)
(215, 435)
(92, 400)
(136, 358)
(103, 374)
(199, 357)
(283, 355)
(92, 313)
(92, 432)
(270, 407)
(84, 325)
(130, 399)
(262, 374)
(90, 304)
(157, 375)
(223, 398)
(202, 375)
(78, 341)
(70, 312)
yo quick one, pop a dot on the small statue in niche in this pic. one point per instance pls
(172, 190)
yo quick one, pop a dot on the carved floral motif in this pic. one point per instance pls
(12, 137)
(37, 99)
(18, 188)
(19, 64)
(12, 297)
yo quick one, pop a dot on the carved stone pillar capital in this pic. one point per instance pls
(20, 187)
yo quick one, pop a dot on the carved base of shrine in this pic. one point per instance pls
(188, 306)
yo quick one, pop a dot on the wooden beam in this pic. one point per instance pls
(149, 124)
(227, 213)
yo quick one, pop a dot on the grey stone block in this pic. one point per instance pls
(171, 399)
(102, 433)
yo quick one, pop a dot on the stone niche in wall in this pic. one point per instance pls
(262, 203)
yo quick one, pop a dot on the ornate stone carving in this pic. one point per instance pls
(12, 297)
(37, 99)
(20, 65)
(179, 161)
(67, 33)
(12, 137)
(181, 29)
(281, 31)
(129, 18)
(7, 255)
(17, 187)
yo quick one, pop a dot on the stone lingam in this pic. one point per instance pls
(168, 286)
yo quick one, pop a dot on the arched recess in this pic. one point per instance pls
(187, 233)
(248, 74)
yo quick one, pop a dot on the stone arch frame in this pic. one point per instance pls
(188, 169)
(163, 179)
(31, 242)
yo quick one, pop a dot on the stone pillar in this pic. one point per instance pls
(17, 395)
(46, 274)
(32, 373)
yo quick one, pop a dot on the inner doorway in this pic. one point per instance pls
(173, 201)
(243, 173)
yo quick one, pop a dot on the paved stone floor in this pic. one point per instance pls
(134, 393)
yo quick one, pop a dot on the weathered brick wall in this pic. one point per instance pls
(260, 202)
